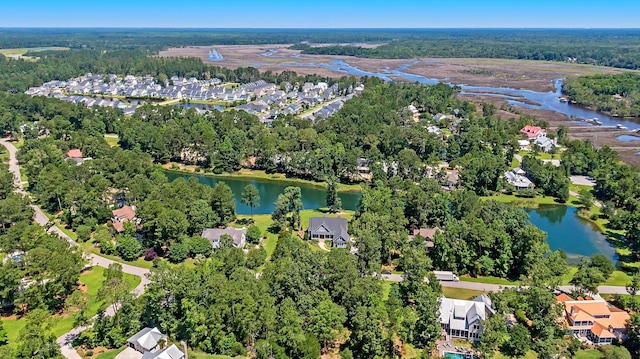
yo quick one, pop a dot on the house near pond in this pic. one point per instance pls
(333, 230)
(238, 236)
(517, 179)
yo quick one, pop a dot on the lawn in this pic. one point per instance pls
(112, 139)
(63, 323)
(263, 221)
(21, 51)
(521, 201)
(110, 354)
(489, 280)
(588, 354)
(460, 293)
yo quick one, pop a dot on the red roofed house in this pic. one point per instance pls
(533, 132)
(600, 322)
(121, 215)
(74, 153)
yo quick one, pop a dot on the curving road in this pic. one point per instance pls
(95, 260)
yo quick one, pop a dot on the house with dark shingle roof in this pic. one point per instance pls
(331, 229)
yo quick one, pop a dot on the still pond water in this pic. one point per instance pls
(565, 229)
(312, 197)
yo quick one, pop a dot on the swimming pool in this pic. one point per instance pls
(452, 355)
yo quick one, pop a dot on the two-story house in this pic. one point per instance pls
(463, 318)
(121, 215)
(594, 319)
(333, 230)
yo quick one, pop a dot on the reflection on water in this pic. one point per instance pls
(568, 232)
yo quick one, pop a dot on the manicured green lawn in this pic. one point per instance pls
(521, 201)
(386, 288)
(140, 262)
(490, 280)
(112, 139)
(110, 354)
(460, 293)
(588, 354)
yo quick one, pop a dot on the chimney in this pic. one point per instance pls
(183, 345)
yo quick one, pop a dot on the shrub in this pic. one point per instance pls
(107, 247)
(129, 248)
(150, 254)
(83, 232)
(199, 246)
(253, 234)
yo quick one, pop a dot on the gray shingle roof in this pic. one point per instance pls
(335, 226)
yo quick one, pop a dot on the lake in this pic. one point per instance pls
(312, 197)
(574, 235)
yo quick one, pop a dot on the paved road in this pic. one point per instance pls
(95, 260)
(486, 287)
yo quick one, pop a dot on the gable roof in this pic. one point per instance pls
(147, 338)
(459, 314)
(170, 352)
(124, 214)
(336, 226)
(214, 234)
(74, 153)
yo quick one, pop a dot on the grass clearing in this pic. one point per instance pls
(522, 201)
(111, 354)
(23, 50)
(111, 139)
(460, 293)
(194, 354)
(489, 280)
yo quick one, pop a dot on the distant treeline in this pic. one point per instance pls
(616, 94)
(615, 48)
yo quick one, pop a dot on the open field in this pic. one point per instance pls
(18, 52)
(525, 74)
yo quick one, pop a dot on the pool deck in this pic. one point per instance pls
(448, 346)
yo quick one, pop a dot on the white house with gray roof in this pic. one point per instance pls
(331, 229)
(463, 318)
(149, 343)
(213, 235)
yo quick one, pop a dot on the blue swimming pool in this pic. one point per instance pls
(451, 355)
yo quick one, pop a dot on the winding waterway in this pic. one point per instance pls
(536, 100)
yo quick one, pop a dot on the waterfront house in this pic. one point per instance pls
(518, 180)
(331, 229)
(593, 319)
(533, 132)
(237, 235)
(545, 143)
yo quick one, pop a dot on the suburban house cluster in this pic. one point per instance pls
(536, 136)
(266, 100)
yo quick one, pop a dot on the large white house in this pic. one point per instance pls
(462, 318)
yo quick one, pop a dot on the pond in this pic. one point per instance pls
(627, 138)
(574, 235)
(312, 197)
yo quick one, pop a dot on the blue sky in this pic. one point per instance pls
(322, 14)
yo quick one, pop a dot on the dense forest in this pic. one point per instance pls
(615, 94)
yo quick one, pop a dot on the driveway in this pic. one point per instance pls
(583, 180)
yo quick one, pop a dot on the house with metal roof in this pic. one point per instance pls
(464, 318)
(213, 235)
